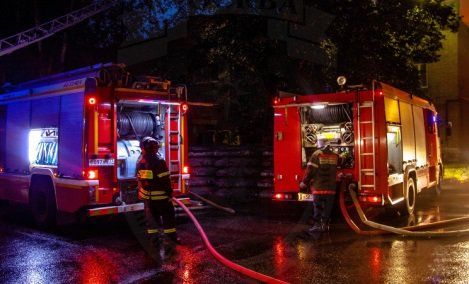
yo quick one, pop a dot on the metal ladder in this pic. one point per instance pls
(174, 146)
(43, 31)
(366, 132)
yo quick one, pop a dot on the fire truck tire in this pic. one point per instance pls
(410, 197)
(42, 202)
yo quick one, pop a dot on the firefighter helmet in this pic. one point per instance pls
(149, 144)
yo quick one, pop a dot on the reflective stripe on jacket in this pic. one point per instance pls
(321, 172)
(153, 178)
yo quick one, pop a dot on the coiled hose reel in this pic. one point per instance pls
(136, 124)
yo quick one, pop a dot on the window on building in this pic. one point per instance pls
(423, 75)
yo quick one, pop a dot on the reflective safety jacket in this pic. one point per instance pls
(153, 178)
(321, 172)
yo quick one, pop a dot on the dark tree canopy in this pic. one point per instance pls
(231, 59)
(385, 39)
(368, 39)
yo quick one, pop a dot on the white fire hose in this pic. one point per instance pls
(407, 231)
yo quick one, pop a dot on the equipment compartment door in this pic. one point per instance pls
(71, 135)
(287, 149)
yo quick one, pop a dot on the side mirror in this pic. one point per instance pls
(449, 128)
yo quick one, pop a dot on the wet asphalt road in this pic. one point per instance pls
(268, 239)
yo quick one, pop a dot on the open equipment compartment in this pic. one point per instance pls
(332, 123)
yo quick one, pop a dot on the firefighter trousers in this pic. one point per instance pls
(323, 204)
(160, 213)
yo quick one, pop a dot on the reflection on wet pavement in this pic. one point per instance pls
(274, 245)
(98, 267)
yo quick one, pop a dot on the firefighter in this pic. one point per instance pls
(154, 188)
(320, 176)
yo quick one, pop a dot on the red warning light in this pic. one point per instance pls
(185, 170)
(92, 174)
(371, 199)
(92, 101)
(184, 107)
(278, 196)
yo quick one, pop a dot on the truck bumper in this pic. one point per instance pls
(110, 210)
(292, 196)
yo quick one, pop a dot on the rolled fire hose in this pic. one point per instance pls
(407, 231)
(241, 269)
(226, 209)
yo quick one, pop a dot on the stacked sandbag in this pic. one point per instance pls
(231, 172)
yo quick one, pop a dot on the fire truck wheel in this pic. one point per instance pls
(42, 202)
(410, 197)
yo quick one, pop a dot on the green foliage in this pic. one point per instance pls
(230, 59)
(457, 172)
(236, 56)
(385, 40)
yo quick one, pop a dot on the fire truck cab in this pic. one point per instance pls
(387, 141)
(69, 143)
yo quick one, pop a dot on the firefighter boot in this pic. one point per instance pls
(326, 226)
(318, 227)
(155, 248)
(170, 246)
(156, 241)
(154, 236)
(173, 237)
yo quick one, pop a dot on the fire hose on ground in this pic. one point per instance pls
(381, 229)
(241, 269)
(226, 209)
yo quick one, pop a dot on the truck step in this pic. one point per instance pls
(367, 104)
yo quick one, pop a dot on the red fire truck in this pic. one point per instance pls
(69, 143)
(387, 140)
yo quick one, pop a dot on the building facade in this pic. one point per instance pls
(447, 83)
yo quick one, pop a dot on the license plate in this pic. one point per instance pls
(101, 162)
(305, 197)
